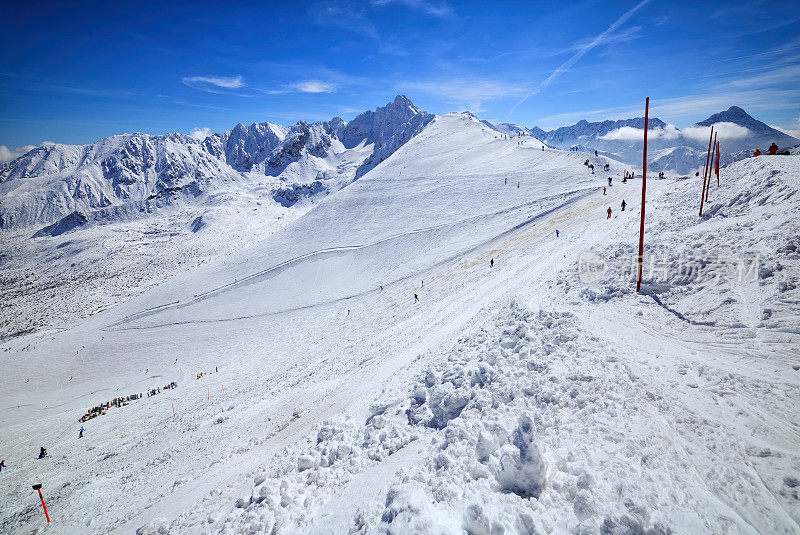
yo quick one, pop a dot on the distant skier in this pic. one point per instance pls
(348, 311)
(42, 453)
(517, 185)
(491, 263)
(604, 190)
(623, 205)
(2, 465)
(80, 432)
(556, 233)
(595, 152)
(416, 298)
(506, 180)
(609, 182)
(381, 288)
(542, 148)
(756, 153)
(423, 284)
(609, 213)
(773, 149)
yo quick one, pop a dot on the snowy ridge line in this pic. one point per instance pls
(574, 196)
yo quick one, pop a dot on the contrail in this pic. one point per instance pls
(567, 65)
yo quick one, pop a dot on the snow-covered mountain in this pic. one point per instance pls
(126, 175)
(671, 149)
(524, 388)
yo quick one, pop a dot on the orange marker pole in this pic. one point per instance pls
(644, 186)
(209, 394)
(173, 409)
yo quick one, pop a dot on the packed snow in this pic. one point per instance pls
(421, 353)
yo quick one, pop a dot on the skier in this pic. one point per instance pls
(416, 298)
(604, 190)
(80, 432)
(609, 213)
(348, 311)
(42, 453)
(595, 152)
(556, 233)
(491, 263)
(773, 149)
(756, 153)
(591, 166)
(423, 284)
(2, 465)
(381, 288)
(506, 180)
(623, 205)
(609, 182)
(517, 185)
(542, 148)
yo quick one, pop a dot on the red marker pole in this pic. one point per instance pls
(708, 156)
(173, 409)
(717, 164)
(644, 186)
(711, 164)
(39, 488)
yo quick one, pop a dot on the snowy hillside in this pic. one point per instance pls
(147, 207)
(420, 353)
(680, 151)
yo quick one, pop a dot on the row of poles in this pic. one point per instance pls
(712, 165)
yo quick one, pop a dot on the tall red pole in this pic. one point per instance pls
(644, 187)
(716, 167)
(708, 156)
(711, 164)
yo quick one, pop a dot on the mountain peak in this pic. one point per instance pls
(402, 100)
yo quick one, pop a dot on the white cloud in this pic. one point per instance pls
(6, 154)
(212, 84)
(629, 133)
(200, 133)
(723, 130)
(315, 86)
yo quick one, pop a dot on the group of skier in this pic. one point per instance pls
(101, 409)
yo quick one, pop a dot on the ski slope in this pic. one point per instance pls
(509, 399)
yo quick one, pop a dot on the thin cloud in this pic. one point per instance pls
(344, 17)
(213, 84)
(6, 154)
(465, 93)
(567, 65)
(793, 130)
(315, 86)
(436, 9)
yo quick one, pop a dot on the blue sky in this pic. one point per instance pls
(75, 73)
